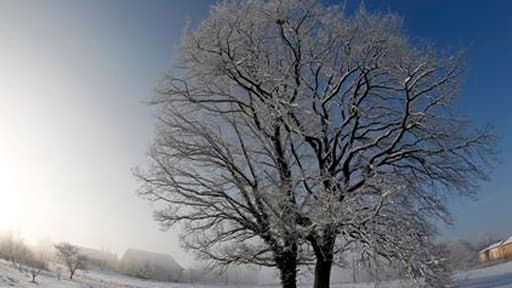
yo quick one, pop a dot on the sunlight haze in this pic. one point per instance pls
(73, 79)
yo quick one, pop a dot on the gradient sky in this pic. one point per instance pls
(74, 74)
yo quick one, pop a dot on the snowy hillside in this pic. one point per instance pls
(488, 277)
(499, 276)
(10, 277)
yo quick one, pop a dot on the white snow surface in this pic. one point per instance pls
(499, 276)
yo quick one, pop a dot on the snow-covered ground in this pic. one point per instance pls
(493, 276)
(499, 276)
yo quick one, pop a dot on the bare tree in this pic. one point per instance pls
(461, 254)
(36, 264)
(14, 249)
(227, 178)
(58, 271)
(294, 128)
(71, 257)
(485, 239)
(225, 172)
(21, 256)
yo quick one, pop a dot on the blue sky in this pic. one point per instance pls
(484, 30)
(74, 74)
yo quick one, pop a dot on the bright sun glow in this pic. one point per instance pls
(9, 192)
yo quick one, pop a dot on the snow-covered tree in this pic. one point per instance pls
(462, 255)
(485, 239)
(13, 249)
(289, 129)
(227, 177)
(35, 264)
(70, 255)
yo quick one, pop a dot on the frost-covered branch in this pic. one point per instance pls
(294, 128)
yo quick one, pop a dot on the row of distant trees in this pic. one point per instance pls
(15, 250)
(463, 254)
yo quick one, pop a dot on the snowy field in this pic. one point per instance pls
(499, 276)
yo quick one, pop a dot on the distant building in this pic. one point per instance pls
(497, 251)
(99, 259)
(150, 265)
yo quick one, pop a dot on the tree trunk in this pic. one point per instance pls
(324, 254)
(287, 265)
(322, 274)
(71, 273)
(288, 274)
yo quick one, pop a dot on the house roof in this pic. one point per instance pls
(507, 241)
(494, 245)
(160, 259)
(97, 254)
